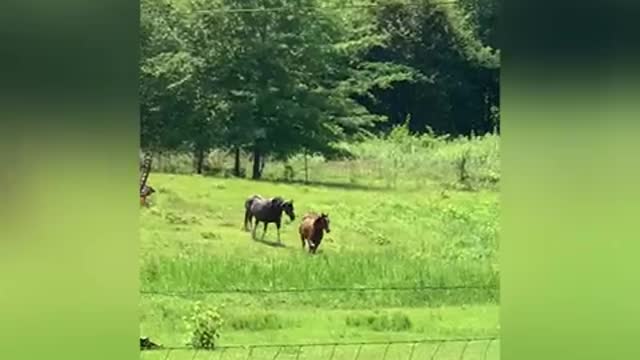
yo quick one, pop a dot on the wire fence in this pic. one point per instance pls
(434, 349)
(270, 290)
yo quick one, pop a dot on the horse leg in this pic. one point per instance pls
(265, 229)
(311, 245)
(316, 245)
(302, 239)
(253, 229)
(278, 228)
(247, 219)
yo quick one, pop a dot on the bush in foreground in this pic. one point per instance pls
(204, 325)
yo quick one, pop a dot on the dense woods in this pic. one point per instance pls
(297, 76)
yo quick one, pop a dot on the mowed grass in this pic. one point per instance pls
(193, 241)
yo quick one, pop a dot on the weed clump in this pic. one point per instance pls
(209, 235)
(204, 325)
(256, 322)
(396, 321)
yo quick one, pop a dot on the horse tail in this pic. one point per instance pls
(247, 210)
(301, 232)
(247, 216)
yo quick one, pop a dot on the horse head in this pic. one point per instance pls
(323, 221)
(286, 206)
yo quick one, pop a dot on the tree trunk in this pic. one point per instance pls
(306, 168)
(257, 157)
(236, 165)
(199, 160)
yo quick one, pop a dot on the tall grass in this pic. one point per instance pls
(299, 270)
(405, 160)
(399, 160)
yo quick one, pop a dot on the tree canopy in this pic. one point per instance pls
(303, 75)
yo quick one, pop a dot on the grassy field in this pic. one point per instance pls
(193, 245)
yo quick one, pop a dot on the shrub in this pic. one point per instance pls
(204, 325)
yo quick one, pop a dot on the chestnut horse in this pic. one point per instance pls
(312, 229)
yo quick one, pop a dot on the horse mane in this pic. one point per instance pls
(318, 218)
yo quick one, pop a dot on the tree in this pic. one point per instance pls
(484, 19)
(458, 75)
(286, 77)
(179, 110)
(303, 78)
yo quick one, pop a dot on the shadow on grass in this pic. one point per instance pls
(260, 240)
(270, 243)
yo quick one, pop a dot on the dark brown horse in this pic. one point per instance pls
(312, 229)
(266, 211)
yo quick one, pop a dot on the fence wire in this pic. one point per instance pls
(434, 349)
(181, 293)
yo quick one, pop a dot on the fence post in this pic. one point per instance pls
(168, 353)
(224, 350)
(413, 349)
(464, 349)
(486, 350)
(433, 356)
(277, 353)
(250, 352)
(386, 350)
(333, 351)
(195, 354)
(358, 352)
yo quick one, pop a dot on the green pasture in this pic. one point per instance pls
(193, 246)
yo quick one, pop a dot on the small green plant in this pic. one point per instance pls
(175, 219)
(204, 324)
(381, 240)
(396, 321)
(209, 235)
(256, 321)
